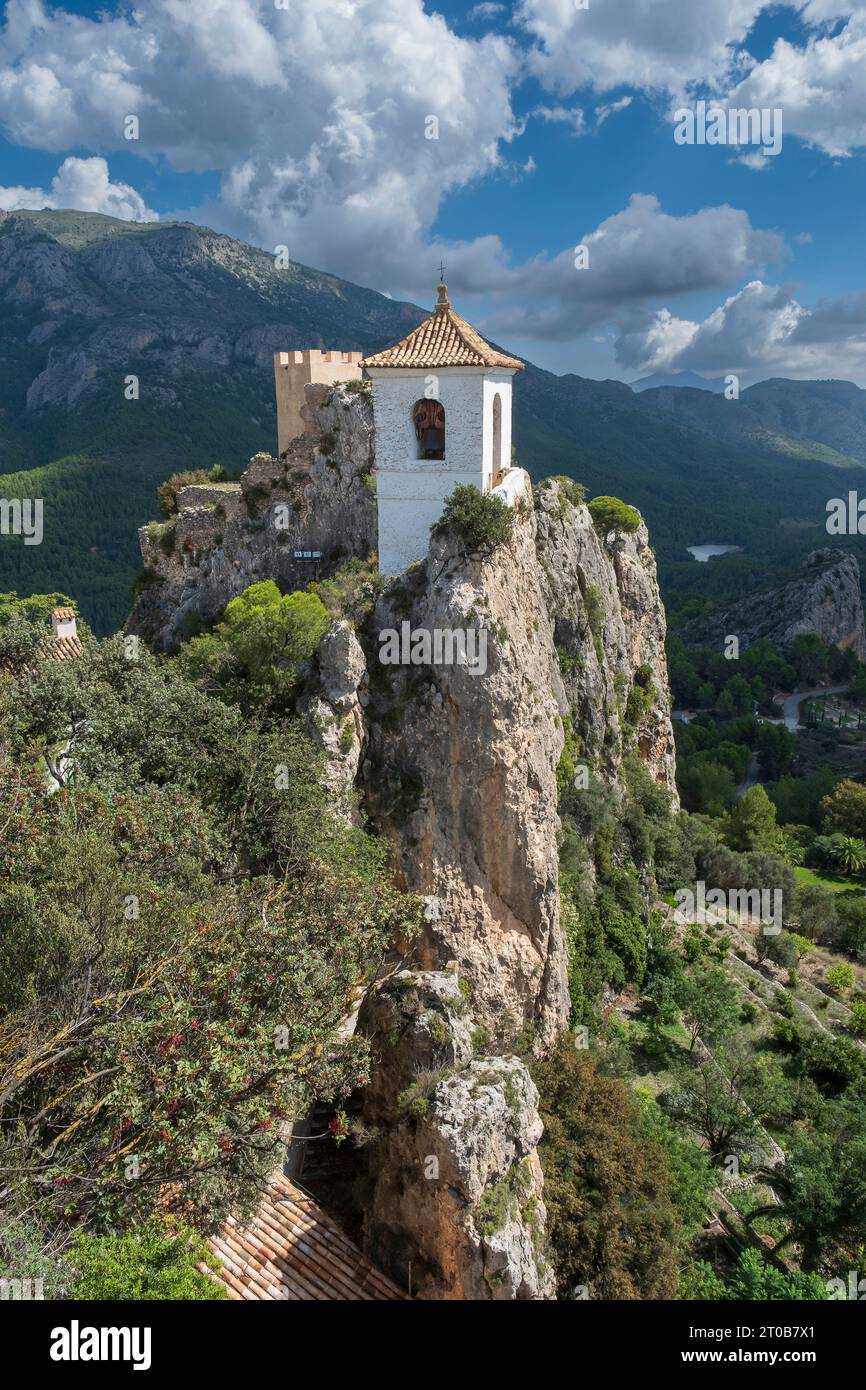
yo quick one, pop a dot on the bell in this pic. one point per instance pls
(431, 442)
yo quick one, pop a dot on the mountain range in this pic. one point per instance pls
(129, 351)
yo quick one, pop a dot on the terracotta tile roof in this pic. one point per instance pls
(52, 649)
(444, 339)
(62, 614)
(63, 649)
(292, 1250)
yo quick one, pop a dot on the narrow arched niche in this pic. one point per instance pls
(497, 441)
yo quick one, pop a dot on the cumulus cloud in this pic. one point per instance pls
(567, 115)
(819, 86)
(756, 160)
(338, 127)
(83, 184)
(673, 49)
(639, 254)
(658, 46)
(318, 118)
(759, 330)
(488, 9)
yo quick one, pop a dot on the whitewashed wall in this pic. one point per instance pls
(411, 492)
(497, 383)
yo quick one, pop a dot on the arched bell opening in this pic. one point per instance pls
(428, 417)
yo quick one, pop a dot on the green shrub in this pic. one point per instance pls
(609, 1190)
(787, 1035)
(413, 1103)
(253, 654)
(594, 603)
(858, 1018)
(497, 1201)
(610, 514)
(641, 696)
(840, 977)
(144, 1264)
(481, 1038)
(572, 491)
(481, 521)
(494, 1209)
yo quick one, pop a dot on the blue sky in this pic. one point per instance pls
(305, 126)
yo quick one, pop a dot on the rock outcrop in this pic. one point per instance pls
(823, 598)
(291, 519)
(609, 632)
(454, 759)
(333, 713)
(460, 766)
(459, 770)
(457, 1209)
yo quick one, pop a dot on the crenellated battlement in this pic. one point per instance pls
(296, 369)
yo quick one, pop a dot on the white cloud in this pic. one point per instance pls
(759, 330)
(315, 116)
(315, 120)
(488, 9)
(659, 45)
(83, 184)
(602, 112)
(671, 48)
(638, 255)
(567, 115)
(819, 86)
(755, 160)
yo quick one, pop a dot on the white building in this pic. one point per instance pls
(442, 412)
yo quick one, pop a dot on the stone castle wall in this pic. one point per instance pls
(295, 370)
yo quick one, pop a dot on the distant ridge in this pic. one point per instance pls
(698, 383)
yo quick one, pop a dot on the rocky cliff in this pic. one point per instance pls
(823, 598)
(456, 763)
(289, 519)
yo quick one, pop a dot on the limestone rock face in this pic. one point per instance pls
(333, 712)
(823, 598)
(461, 770)
(609, 627)
(460, 766)
(316, 500)
(457, 1211)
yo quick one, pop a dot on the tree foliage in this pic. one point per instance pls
(612, 1220)
(611, 514)
(482, 521)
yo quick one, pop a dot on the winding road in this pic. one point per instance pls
(791, 704)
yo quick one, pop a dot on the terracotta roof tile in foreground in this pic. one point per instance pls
(291, 1249)
(64, 649)
(442, 340)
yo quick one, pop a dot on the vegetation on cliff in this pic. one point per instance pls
(186, 925)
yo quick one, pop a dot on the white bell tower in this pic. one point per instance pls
(442, 414)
